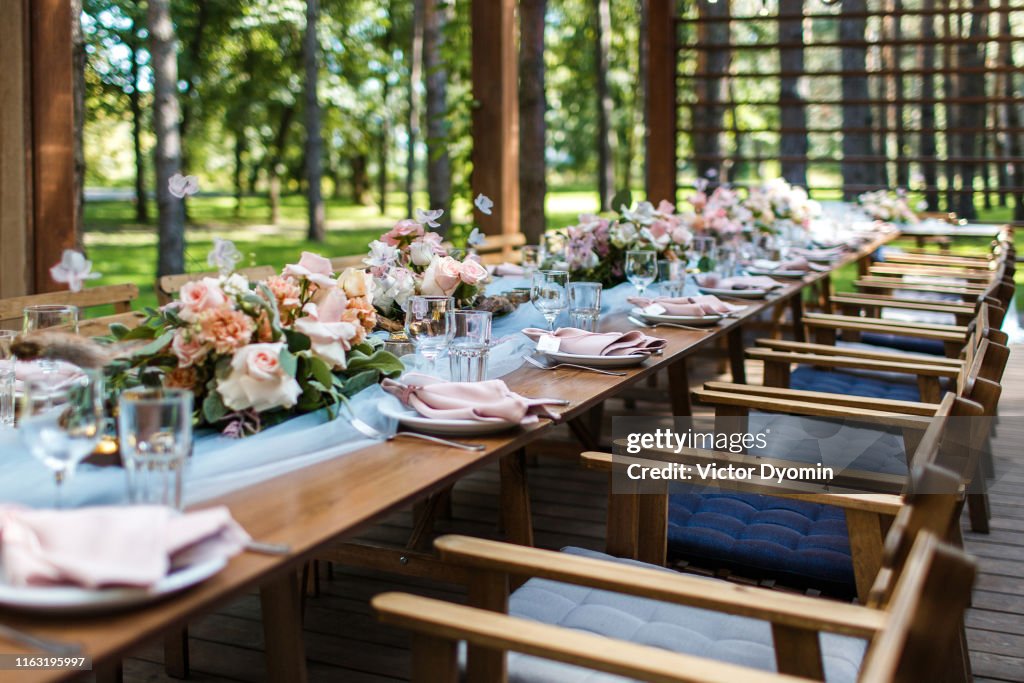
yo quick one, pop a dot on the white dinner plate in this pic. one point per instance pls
(67, 600)
(751, 293)
(693, 320)
(776, 273)
(598, 361)
(413, 420)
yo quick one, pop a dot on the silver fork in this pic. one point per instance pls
(543, 366)
(373, 433)
(54, 647)
(641, 323)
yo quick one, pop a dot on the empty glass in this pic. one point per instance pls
(641, 269)
(704, 254)
(6, 379)
(550, 294)
(531, 258)
(155, 427)
(49, 315)
(62, 420)
(467, 353)
(584, 305)
(671, 277)
(430, 326)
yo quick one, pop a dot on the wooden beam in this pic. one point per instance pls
(661, 100)
(53, 156)
(15, 156)
(496, 113)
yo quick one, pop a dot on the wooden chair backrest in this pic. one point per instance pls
(340, 263)
(924, 616)
(119, 296)
(169, 285)
(500, 248)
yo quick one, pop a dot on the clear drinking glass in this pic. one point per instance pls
(704, 254)
(430, 325)
(531, 258)
(584, 305)
(155, 427)
(671, 277)
(641, 269)
(6, 379)
(550, 294)
(49, 315)
(62, 421)
(467, 353)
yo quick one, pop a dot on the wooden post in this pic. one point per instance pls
(661, 100)
(496, 115)
(53, 149)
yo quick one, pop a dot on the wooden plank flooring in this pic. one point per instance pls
(345, 643)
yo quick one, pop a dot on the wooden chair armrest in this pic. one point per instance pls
(449, 623)
(870, 403)
(886, 327)
(883, 301)
(829, 350)
(798, 407)
(779, 608)
(878, 282)
(910, 325)
(920, 368)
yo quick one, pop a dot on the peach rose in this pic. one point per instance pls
(225, 329)
(258, 381)
(181, 378)
(441, 277)
(287, 292)
(188, 349)
(472, 272)
(355, 282)
(199, 296)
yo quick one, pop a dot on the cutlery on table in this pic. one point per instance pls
(641, 323)
(543, 366)
(373, 433)
(268, 548)
(54, 647)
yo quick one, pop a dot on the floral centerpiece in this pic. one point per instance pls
(721, 215)
(256, 353)
(776, 202)
(892, 207)
(409, 260)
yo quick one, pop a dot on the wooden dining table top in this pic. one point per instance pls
(311, 508)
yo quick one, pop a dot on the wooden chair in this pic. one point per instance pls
(500, 248)
(118, 296)
(340, 263)
(920, 622)
(169, 285)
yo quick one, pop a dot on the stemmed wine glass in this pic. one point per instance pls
(430, 325)
(550, 294)
(641, 269)
(62, 421)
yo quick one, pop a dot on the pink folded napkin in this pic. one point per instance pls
(58, 372)
(487, 401)
(575, 340)
(799, 264)
(706, 304)
(738, 283)
(111, 546)
(508, 270)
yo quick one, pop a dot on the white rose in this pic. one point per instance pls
(421, 253)
(235, 284)
(472, 272)
(258, 381)
(330, 341)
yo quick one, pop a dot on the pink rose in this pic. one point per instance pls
(666, 208)
(441, 277)
(402, 231)
(200, 295)
(659, 229)
(434, 240)
(314, 268)
(328, 307)
(472, 272)
(681, 235)
(699, 200)
(189, 350)
(258, 381)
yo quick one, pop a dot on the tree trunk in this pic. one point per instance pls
(384, 140)
(439, 170)
(972, 116)
(640, 103)
(135, 103)
(274, 167)
(359, 179)
(896, 30)
(314, 143)
(856, 117)
(167, 157)
(413, 125)
(926, 50)
(949, 88)
(239, 170)
(1014, 139)
(532, 128)
(605, 137)
(192, 59)
(713, 66)
(792, 111)
(78, 116)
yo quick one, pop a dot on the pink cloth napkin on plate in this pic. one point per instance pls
(102, 546)
(795, 264)
(508, 270)
(738, 283)
(487, 401)
(575, 340)
(59, 372)
(705, 304)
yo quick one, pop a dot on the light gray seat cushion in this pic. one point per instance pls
(688, 630)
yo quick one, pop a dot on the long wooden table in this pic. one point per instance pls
(313, 509)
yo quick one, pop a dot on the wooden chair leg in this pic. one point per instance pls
(109, 672)
(978, 512)
(282, 629)
(434, 660)
(866, 546)
(515, 499)
(176, 663)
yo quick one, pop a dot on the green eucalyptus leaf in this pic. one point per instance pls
(360, 381)
(214, 409)
(289, 362)
(381, 360)
(321, 371)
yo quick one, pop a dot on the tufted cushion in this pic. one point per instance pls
(932, 347)
(688, 630)
(854, 384)
(799, 543)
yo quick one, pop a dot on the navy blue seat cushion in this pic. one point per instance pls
(807, 378)
(892, 341)
(798, 543)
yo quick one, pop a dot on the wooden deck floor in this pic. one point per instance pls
(345, 643)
